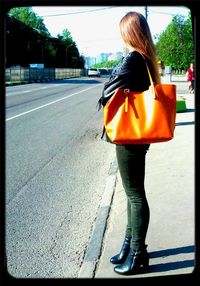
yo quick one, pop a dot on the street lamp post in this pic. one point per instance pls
(67, 53)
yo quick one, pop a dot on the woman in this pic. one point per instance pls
(190, 77)
(132, 74)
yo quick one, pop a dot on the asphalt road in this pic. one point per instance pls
(55, 175)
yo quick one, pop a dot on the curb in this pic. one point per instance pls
(93, 251)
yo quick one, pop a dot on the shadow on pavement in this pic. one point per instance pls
(189, 110)
(172, 265)
(172, 251)
(185, 123)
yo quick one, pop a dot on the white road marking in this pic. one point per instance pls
(50, 103)
(29, 90)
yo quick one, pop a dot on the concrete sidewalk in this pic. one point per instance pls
(170, 191)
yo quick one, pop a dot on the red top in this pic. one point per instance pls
(190, 74)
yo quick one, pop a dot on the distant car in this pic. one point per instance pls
(94, 72)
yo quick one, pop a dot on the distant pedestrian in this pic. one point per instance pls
(190, 77)
(133, 75)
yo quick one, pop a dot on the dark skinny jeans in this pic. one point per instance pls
(131, 163)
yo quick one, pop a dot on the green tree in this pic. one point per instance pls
(30, 18)
(70, 50)
(175, 45)
(107, 64)
(66, 37)
(41, 36)
(36, 43)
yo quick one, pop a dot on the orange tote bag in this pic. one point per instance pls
(141, 117)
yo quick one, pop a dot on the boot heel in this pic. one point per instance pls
(145, 265)
(136, 262)
(145, 261)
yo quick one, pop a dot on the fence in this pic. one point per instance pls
(14, 75)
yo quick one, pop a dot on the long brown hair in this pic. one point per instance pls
(135, 33)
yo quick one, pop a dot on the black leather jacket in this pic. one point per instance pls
(131, 73)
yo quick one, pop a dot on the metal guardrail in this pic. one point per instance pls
(14, 75)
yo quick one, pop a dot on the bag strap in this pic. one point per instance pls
(150, 78)
(149, 74)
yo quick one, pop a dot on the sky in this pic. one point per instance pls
(96, 29)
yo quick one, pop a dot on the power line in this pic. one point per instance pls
(108, 8)
(78, 12)
(165, 13)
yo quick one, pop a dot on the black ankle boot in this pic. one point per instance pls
(136, 262)
(121, 257)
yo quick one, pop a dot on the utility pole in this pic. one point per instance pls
(146, 12)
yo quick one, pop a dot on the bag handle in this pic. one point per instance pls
(150, 78)
(126, 91)
(151, 81)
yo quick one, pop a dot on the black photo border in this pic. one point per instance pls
(193, 5)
